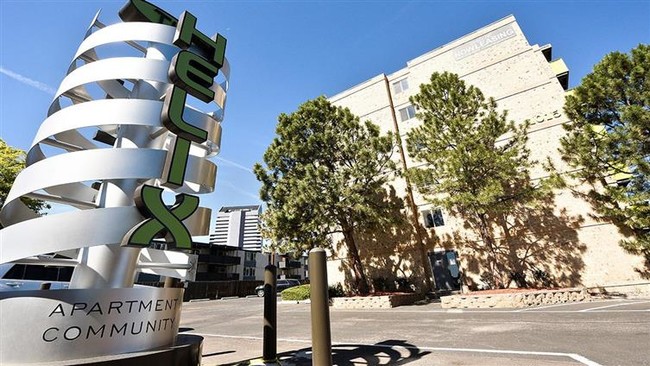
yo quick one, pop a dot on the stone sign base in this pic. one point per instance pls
(186, 352)
(77, 324)
(515, 300)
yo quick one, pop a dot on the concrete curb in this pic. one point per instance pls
(200, 300)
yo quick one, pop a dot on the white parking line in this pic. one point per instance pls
(489, 311)
(575, 356)
(583, 360)
(568, 304)
(544, 307)
(615, 305)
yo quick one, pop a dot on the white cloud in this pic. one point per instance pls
(27, 81)
(255, 197)
(236, 165)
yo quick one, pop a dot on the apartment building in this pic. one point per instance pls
(238, 226)
(227, 263)
(566, 242)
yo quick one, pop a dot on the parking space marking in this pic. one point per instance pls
(566, 308)
(559, 305)
(615, 305)
(574, 356)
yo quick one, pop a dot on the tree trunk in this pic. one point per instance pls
(360, 281)
(487, 238)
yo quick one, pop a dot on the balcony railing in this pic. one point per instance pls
(217, 276)
(219, 259)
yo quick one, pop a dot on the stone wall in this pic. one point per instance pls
(375, 302)
(515, 300)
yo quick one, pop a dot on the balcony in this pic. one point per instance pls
(250, 263)
(561, 71)
(217, 276)
(289, 264)
(226, 260)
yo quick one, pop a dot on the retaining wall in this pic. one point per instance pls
(515, 300)
(375, 302)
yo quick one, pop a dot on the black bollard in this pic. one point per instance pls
(270, 349)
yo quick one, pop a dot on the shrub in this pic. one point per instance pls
(519, 278)
(488, 281)
(404, 285)
(543, 278)
(335, 291)
(296, 293)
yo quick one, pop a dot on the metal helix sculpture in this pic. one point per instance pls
(106, 136)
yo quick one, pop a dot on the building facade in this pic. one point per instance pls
(235, 249)
(228, 263)
(567, 243)
(238, 226)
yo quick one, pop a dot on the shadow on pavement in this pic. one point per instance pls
(390, 352)
(217, 353)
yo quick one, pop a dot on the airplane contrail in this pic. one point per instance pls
(27, 81)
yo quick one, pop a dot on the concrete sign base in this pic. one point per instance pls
(57, 325)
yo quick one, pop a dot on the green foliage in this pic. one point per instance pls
(325, 173)
(335, 291)
(476, 162)
(12, 161)
(609, 141)
(296, 293)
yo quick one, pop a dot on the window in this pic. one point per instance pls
(433, 218)
(407, 113)
(400, 86)
(39, 273)
(249, 272)
(419, 145)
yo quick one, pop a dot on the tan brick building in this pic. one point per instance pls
(565, 241)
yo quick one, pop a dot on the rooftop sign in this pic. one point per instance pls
(487, 40)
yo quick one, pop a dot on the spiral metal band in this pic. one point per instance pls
(104, 96)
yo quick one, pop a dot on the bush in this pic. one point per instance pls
(335, 291)
(488, 281)
(543, 278)
(519, 278)
(296, 293)
(404, 285)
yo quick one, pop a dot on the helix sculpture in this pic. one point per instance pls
(119, 136)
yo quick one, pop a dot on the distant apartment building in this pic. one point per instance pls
(235, 249)
(238, 226)
(227, 263)
(568, 243)
(291, 267)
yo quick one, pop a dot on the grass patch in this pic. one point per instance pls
(296, 293)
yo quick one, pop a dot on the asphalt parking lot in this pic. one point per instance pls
(602, 332)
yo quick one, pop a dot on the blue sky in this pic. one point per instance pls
(283, 53)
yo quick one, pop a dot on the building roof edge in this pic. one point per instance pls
(460, 40)
(356, 88)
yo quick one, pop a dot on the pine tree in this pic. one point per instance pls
(325, 173)
(608, 141)
(476, 162)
